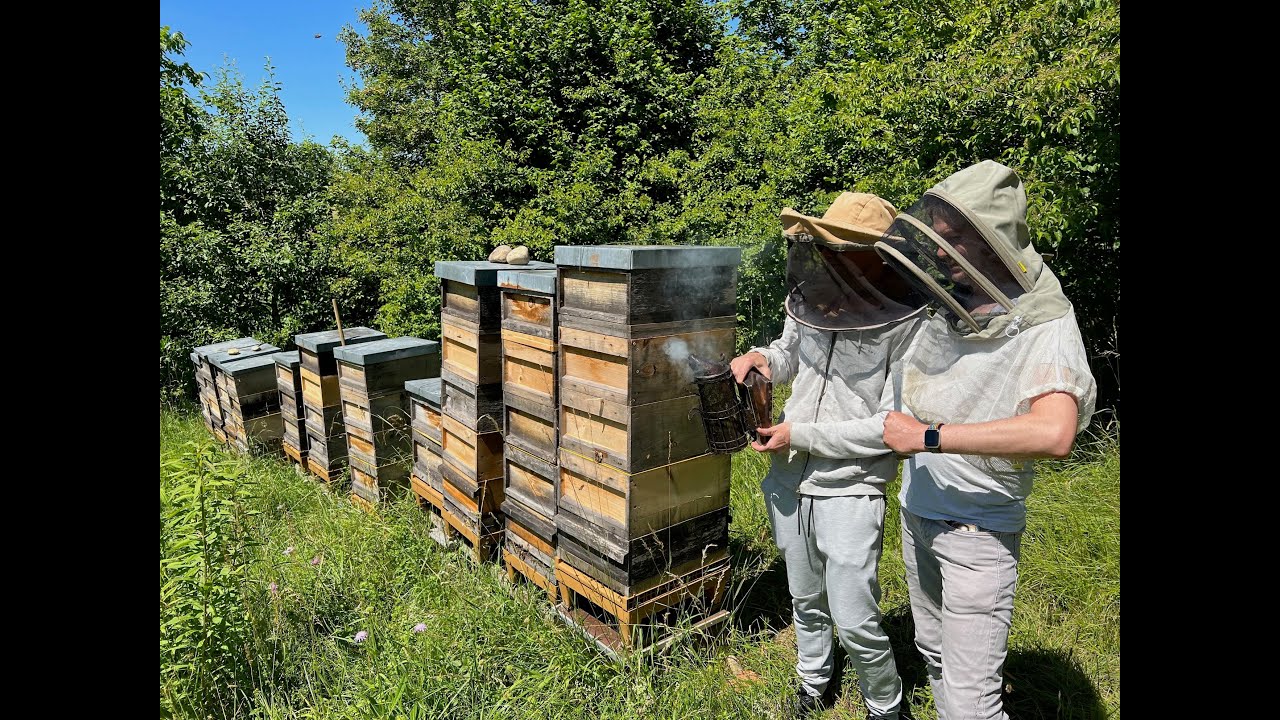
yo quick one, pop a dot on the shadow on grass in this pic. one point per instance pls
(1039, 683)
(1050, 683)
(759, 596)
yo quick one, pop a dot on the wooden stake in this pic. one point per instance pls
(341, 335)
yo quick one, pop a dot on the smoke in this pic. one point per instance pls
(708, 354)
(677, 351)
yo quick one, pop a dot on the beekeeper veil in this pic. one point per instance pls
(835, 279)
(965, 244)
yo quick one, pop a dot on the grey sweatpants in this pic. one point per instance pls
(831, 546)
(961, 584)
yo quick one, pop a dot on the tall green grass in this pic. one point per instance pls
(493, 650)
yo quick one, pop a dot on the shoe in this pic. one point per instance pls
(804, 705)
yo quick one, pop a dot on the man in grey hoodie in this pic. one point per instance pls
(997, 377)
(848, 321)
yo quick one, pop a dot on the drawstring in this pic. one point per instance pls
(800, 529)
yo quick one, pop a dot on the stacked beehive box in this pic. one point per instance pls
(289, 385)
(471, 400)
(206, 383)
(321, 404)
(371, 378)
(529, 420)
(248, 398)
(427, 432)
(643, 508)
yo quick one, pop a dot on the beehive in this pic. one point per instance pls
(371, 382)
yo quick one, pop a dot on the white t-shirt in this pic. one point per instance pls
(949, 378)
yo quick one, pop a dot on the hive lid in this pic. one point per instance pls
(225, 359)
(321, 343)
(205, 351)
(288, 358)
(428, 389)
(237, 368)
(646, 257)
(480, 273)
(539, 281)
(386, 350)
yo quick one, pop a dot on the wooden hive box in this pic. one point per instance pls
(427, 434)
(250, 401)
(318, 368)
(632, 366)
(424, 408)
(638, 285)
(645, 561)
(478, 456)
(532, 427)
(469, 290)
(382, 366)
(532, 482)
(240, 348)
(289, 385)
(467, 352)
(631, 438)
(427, 458)
(375, 489)
(618, 507)
(478, 407)
(528, 302)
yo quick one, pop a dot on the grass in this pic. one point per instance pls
(493, 650)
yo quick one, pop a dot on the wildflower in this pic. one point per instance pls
(420, 627)
(315, 560)
(288, 550)
(273, 587)
(361, 637)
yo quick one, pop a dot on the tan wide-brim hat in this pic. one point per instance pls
(858, 218)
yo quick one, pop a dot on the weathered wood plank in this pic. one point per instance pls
(473, 355)
(479, 407)
(632, 438)
(478, 455)
(531, 480)
(650, 559)
(630, 505)
(528, 314)
(636, 371)
(531, 433)
(647, 296)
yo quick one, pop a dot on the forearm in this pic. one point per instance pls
(1024, 436)
(846, 439)
(1047, 431)
(781, 354)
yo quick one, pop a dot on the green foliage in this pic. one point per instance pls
(207, 608)
(240, 207)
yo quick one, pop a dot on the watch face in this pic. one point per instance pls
(931, 438)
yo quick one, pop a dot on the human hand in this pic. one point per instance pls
(742, 364)
(779, 438)
(903, 434)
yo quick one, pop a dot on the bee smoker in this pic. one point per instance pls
(731, 412)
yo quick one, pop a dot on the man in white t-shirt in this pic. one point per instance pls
(997, 377)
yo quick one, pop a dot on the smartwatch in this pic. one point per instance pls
(933, 438)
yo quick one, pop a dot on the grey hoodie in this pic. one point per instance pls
(842, 389)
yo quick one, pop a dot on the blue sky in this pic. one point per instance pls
(309, 68)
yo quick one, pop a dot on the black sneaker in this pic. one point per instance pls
(804, 705)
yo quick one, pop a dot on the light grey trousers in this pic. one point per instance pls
(832, 547)
(961, 584)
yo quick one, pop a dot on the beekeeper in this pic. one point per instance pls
(848, 320)
(998, 376)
